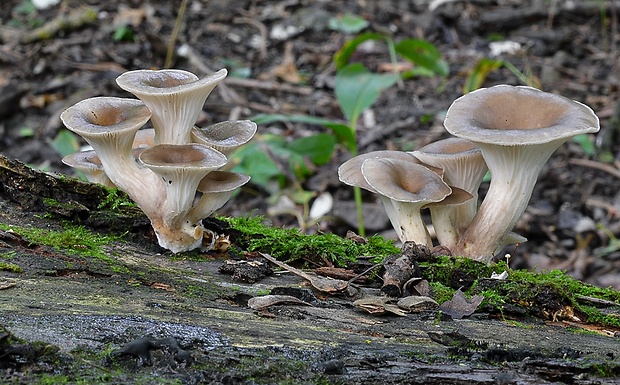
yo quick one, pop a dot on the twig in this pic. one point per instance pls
(596, 165)
(270, 86)
(72, 21)
(263, 34)
(175, 34)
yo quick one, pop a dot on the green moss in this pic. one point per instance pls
(543, 295)
(5, 266)
(74, 240)
(441, 292)
(291, 244)
(8, 255)
(115, 200)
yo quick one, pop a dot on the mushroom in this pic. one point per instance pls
(180, 168)
(463, 167)
(444, 216)
(109, 125)
(404, 188)
(517, 129)
(144, 138)
(175, 98)
(225, 136)
(215, 190)
(350, 172)
(88, 162)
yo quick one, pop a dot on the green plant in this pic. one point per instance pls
(123, 33)
(356, 89)
(485, 66)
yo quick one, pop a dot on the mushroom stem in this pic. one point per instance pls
(180, 169)
(407, 221)
(508, 195)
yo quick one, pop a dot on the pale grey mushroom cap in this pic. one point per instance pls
(175, 98)
(404, 181)
(350, 172)
(97, 119)
(517, 115)
(215, 190)
(225, 136)
(88, 162)
(460, 159)
(173, 162)
(109, 125)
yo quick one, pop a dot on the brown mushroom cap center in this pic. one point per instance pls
(186, 155)
(518, 111)
(167, 80)
(106, 116)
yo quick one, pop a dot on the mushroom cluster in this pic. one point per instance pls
(171, 171)
(511, 131)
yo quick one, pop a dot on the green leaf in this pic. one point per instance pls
(318, 148)
(123, 33)
(479, 73)
(341, 58)
(423, 53)
(251, 160)
(347, 23)
(344, 134)
(65, 143)
(586, 143)
(357, 89)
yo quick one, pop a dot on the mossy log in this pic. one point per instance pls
(110, 304)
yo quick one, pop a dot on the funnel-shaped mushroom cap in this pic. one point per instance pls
(514, 116)
(109, 125)
(225, 136)
(106, 121)
(460, 159)
(350, 172)
(404, 188)
(517, 130)
(175, 98)
(178, 164)
(88, 162)
(144, 138)
(216, 189)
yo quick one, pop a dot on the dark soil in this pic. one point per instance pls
(570, 50)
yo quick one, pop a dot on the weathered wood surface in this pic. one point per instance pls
(96, 304)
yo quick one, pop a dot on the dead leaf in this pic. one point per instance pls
(7, 285)
(129, 16)
(324, 284)
(265, 301)
(460, 306)
(379, 305)
(162, 286)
